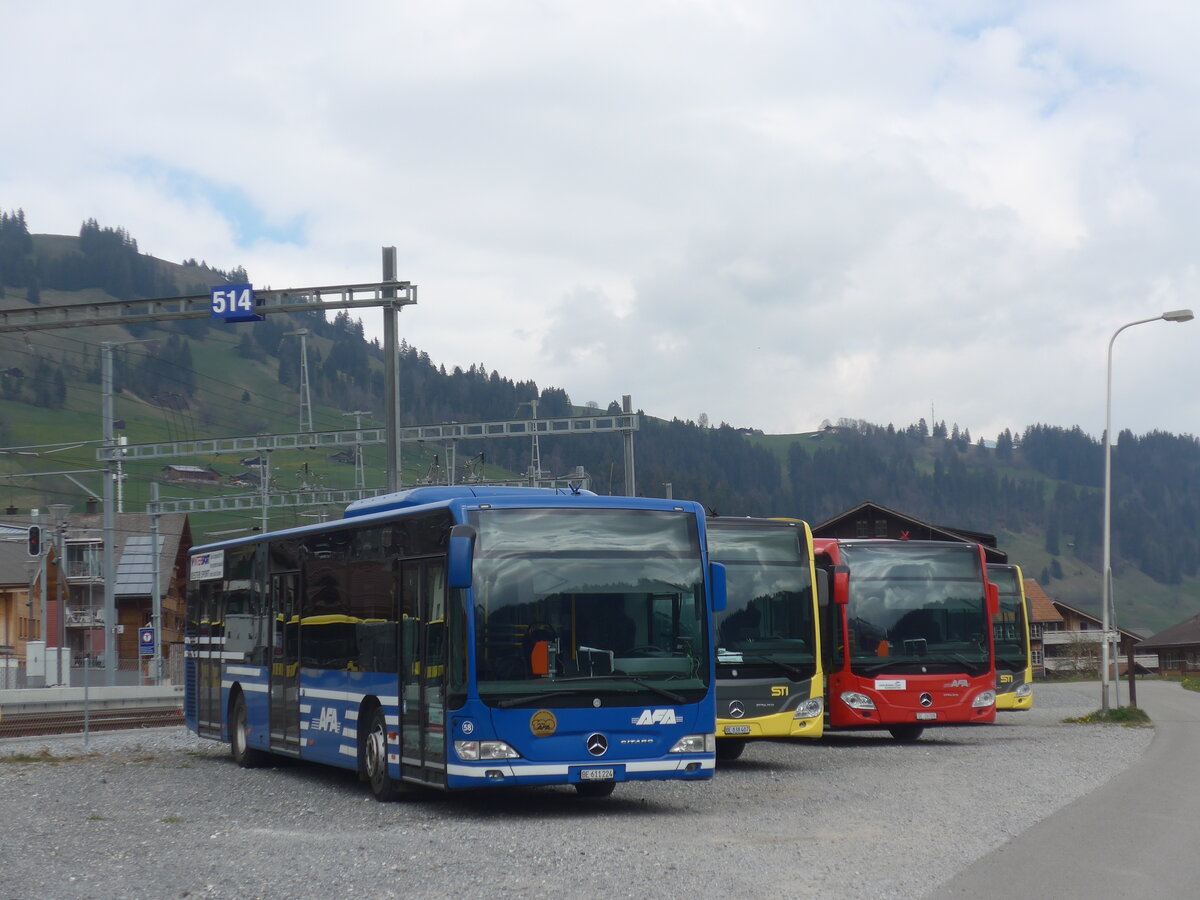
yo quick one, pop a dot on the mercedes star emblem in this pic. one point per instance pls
(927, 700)
(736, 710)
(597, 744)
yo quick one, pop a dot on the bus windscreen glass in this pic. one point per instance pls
(768, 620)
(1008, 627)
(916, 607)
(572, 608)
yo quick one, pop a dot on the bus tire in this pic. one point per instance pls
(374, 756)
(595, 789)
(239, 747)
(906, 733)
(730, 748)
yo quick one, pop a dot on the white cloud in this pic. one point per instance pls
(773, 213)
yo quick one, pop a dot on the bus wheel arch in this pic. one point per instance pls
(239, 746)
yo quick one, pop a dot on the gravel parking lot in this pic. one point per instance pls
(162, 814)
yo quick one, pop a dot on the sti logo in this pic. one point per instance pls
(779, 690)
(328, 721)
(657, 717)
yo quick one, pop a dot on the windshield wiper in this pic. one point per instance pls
(662, 692)
(546, 695)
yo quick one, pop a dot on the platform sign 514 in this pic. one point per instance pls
(234, 303)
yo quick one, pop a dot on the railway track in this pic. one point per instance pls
(71, 721)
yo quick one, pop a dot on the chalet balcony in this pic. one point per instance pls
(1088, 636)
(82, 617)
(82, 574)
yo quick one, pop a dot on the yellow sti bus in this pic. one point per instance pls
(768, 656)
(1010, 630)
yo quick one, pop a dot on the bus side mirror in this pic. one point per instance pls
(841, 585)
(716, 576)
(460, 556)
(993, 597)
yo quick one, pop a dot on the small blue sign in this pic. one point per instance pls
(146, 641)
(234, 303)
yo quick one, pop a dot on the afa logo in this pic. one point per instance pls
(657, 717)
(328, 721)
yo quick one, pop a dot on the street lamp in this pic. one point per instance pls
(1175, 315)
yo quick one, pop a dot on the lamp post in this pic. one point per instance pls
(1176, 315)
(107, 419)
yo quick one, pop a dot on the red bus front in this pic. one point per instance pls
(907, 635)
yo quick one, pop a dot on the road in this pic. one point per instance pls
(1134, 836)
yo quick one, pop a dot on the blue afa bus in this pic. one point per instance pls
(461, 637)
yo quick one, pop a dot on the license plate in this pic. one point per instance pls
(737, 729)
(926, 716)
(596, 774)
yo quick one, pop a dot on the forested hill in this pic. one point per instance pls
(1039, 491)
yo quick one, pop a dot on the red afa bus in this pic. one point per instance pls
(907, 635)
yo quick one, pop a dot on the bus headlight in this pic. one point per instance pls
(855, 700)
(469, 751)
(987, 698)
(695, 743)
(1023, 690)
(810, 709)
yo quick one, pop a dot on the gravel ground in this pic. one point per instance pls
(160, 813)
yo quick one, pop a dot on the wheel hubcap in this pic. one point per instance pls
(375, 753)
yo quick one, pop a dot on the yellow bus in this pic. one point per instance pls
(1010, 631)
(768, 656)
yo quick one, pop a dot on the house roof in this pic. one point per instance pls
(922, 530)
(1092, 617)
(1181, 634)
(16, 565)
(135, 569)
(1041, 607)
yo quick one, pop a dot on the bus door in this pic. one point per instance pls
(423, 670)
(285, 663)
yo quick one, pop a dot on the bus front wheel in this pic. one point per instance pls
(239, 748)
(906, 733)
(375, 759)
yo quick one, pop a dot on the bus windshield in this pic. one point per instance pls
(1008, 627)
(916, 608)
(576, 607)
(768, 621)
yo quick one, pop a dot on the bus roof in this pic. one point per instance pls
(453, 499)
(436, 494)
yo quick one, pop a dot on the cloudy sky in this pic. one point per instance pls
(771, 213)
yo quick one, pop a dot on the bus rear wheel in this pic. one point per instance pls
(375, 759)
(729, 748)
(239, 748)
(906, 733)
(595, 789)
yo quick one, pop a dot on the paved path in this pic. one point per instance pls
(1134, 837)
